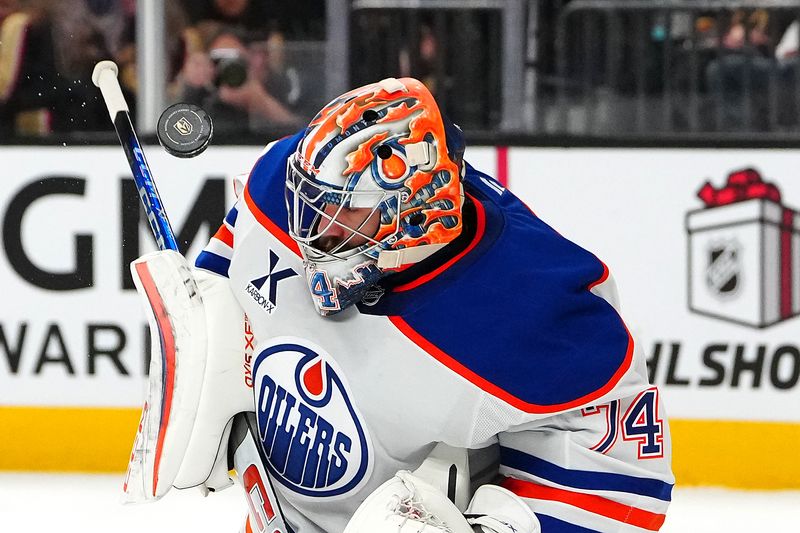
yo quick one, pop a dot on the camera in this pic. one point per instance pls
(230, 67)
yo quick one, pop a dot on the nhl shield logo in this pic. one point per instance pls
(724, 269)
(372, 295)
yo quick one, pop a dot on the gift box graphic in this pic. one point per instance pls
(744, 253)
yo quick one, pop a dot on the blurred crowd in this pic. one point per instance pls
(229, 56)
(456, 53)
(745, 62)
(258, 66)
(758, 55)
(741, 65)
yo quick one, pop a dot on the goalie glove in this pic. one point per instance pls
(407, 504)
(494, 509)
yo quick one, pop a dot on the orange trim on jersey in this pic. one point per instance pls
(603, 277)
(481, 216)
(165, 328)
(269, 225)
(588, 502)
(224, 234)
(489, 387)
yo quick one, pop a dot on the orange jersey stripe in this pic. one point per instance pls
(224, 235)
(269, 225)
(588, 502)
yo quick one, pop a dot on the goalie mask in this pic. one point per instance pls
(374, 186)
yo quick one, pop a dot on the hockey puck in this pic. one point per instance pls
(184, 130)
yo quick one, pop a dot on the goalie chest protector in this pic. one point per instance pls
(507, 333)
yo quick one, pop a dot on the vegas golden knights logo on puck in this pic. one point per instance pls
(183, 126)
(184, 130)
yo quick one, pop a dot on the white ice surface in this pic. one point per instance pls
(36, 503)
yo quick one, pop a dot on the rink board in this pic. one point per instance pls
(99, 440)
(73, 342)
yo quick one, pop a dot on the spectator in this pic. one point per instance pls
(742, 71)
(105, 29)
(280, 78)
(425, 59)
(787, 49)
(94, 30)
(100, 28)
(240, 15)
(300, 20)
(788, 60)
(27, 71)
(296, 20)
(225, 81)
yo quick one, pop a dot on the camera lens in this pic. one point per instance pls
(231, 72)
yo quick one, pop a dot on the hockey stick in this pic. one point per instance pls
(144, 467)
(104, 77)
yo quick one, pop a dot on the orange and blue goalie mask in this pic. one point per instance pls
(373, 187)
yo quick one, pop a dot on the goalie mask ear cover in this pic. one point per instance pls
(406, 504)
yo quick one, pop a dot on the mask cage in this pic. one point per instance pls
(306, 200)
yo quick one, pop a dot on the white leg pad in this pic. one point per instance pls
(196, 381)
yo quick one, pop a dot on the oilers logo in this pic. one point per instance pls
(315, 440)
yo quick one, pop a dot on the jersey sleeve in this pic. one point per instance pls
(216, 256)
(600, 468)
(267, 179)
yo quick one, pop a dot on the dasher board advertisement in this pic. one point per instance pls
(702, 243)
(72, 331)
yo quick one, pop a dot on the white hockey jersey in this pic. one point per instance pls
(508, 339)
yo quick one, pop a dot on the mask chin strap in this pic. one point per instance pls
(396, 259)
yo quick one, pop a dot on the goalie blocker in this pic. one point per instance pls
(409, 503)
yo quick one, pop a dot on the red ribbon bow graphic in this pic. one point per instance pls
(742, 185)
(747, 184)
